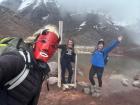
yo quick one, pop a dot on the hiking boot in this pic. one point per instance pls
(98, 92)
(94, 94)
(93, 88)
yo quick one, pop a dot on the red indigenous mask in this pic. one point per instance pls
(45, 46)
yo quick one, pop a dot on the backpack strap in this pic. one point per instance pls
(20, 77)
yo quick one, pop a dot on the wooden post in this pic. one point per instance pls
(59, 53)
(75, 72)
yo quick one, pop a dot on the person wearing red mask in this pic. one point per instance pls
(22, 72)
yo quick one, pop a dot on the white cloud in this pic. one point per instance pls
(125, 11)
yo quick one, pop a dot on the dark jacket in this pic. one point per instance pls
(67, 54)
(27, 92)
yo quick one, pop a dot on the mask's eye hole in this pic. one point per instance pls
(43, 41)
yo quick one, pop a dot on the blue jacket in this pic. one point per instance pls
(97, 58)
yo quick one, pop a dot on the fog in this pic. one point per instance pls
(122, 11)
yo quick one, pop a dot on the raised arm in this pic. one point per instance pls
(61, 46)
(113, 44)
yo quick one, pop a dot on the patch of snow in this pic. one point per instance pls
(45, 2)
(116, 28)
(45, 17)
(37, 4)
(83, 24)
(120, 23)
(95, 27)
(109, 22)
(98, 27)
(79, 29)
(25, 3)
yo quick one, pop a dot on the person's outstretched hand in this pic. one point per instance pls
(120, 38)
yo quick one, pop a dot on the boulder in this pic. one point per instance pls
(87, 90)
(137, 77)
(83, 84)
(125, 82)
(53, 68)
(52, 80)
(136, 84)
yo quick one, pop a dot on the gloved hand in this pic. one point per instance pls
(44, 67)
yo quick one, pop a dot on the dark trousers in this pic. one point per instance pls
(3, 97)
(99, 72)
(66, 66)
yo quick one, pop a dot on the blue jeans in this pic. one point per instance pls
(66, 66)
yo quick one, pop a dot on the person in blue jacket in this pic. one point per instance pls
(98, 60)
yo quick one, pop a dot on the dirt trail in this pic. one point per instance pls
(113, 94)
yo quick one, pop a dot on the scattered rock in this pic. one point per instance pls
(125, 82)
(53, 68)
(96, 94)
(122, 78)
(68, 86)
(83, 84)
(80, 73)
(136, 84)
(87, 90)
(137, 77)
(52, 80)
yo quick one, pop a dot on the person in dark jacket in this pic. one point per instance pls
(14, 68)
(67, 58)
(98, 60)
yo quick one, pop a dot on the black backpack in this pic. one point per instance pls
(10, 44)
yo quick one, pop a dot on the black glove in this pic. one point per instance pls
(44, 67)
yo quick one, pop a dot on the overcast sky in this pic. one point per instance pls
(124, 11)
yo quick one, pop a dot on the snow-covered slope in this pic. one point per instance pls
(38, 11)
(23, 4)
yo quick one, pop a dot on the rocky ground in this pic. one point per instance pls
(113, 93)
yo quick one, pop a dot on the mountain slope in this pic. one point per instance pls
(14, 25)
(86, 27)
